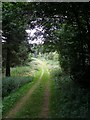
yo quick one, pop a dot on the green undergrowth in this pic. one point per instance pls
(11, 84)
(11, 99)
(20, 70)
(20, 76)
(34, 104)
(68, 100)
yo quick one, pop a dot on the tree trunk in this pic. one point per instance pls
(8, 63)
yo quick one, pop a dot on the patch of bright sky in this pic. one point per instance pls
(38, 39)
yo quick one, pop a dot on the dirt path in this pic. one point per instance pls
(23, 100)
(45, 109)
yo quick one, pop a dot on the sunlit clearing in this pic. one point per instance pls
(42, 64)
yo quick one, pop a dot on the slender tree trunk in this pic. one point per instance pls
(8, 63)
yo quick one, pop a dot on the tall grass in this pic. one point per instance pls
(21, 71)
(19, 77)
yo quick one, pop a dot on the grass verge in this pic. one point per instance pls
(11, 99)
(68, 100)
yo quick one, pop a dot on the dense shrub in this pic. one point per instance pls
(70, 99)
(10, 84)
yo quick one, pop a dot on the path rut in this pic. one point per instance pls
(12, 113)
(45, 108)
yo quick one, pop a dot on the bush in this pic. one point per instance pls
(70, 100)
(10, 84)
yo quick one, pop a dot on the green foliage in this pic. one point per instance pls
(20, 76)
(67, 53)
(54, 56)
(66, 30)
(35, 102)
(10, 100)
(20, 56)
(15, 47)
(68, 99)
(11, 84)
(21, 71)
